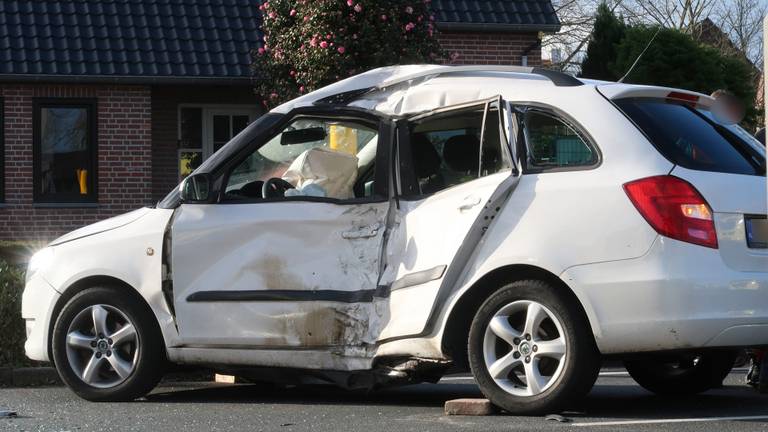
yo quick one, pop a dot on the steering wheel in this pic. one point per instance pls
(275, 188)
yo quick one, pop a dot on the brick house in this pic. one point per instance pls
(106, 105)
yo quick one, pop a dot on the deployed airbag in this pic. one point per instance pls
(335, 172)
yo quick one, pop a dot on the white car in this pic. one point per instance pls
(415, 220)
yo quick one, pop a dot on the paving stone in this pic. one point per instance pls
(469, 407)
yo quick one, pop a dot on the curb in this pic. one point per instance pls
(29, 377)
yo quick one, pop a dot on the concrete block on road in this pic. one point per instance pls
(226, 379)
(469, 407)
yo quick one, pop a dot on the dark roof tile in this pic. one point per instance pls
(529, 14)
(147, 38)
(184, 38)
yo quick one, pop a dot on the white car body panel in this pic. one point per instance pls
(276, 246)
(681, 296)
(418, 244)
(640, 291)
(121, 253)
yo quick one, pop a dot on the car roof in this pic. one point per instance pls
(407, 89)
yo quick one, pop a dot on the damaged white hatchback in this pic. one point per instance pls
(412, 221)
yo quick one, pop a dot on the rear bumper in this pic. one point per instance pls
(37, 304)
(677, 296)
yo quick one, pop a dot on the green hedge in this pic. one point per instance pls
(12, 327)
(19, 252)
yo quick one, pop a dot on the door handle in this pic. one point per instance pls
(369, 231)
(469, 202)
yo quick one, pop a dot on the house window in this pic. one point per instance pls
(64, 151)
(204, 129)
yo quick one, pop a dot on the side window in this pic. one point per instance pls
(552, 143)
(317, 157)
(446, 148)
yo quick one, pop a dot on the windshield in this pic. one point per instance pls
(692, 138)
(257, 128)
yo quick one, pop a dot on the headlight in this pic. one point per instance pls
(40, 260)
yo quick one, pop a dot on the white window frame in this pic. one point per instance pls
(208, 111)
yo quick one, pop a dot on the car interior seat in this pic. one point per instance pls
(461, 154)
(426, 163)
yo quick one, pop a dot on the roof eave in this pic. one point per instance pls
(125, 79)
(497, 28)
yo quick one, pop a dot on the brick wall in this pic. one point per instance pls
(492, 48)
(165, 102)
(124, 158)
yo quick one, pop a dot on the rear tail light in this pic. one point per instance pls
(674, 208)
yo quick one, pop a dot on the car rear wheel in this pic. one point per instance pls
(531, 351)
(107, 346)
(682, 373)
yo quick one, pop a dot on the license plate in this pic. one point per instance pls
(757, 232)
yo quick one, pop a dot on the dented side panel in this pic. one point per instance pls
(235, 257)
(427, 234)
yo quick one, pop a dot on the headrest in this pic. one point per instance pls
(461, 153)
(426, 159)
(334, 171)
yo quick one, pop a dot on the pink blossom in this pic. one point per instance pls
(272, 15)
(292, 12)
(301, 89)
(292, 73)
(358, 8)
(273, 96)
(261, 51)
(350, 3)
(306, 18)
(409, 26)
(313, 42)
(323, 44)
(409, 10)
(341, 49)
(383, 17)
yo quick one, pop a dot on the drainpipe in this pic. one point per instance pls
(533, 46)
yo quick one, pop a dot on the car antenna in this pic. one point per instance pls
(631, 68)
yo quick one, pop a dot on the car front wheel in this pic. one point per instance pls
(107, 346)
(532, 351)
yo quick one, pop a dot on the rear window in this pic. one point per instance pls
(690, 138)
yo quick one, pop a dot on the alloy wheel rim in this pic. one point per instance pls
(524, 348)
(102, 346)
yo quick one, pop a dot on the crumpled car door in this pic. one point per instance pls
(435, 233)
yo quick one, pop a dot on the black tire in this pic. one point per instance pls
(582, 359)
(681, 374)
(150, 361)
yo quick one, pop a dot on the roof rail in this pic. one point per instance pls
(559, 79)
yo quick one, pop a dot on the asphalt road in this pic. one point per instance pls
(615, 403)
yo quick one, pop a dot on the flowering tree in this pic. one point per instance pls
(312, 43)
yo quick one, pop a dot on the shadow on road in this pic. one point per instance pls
(417, 395)
(605, 401)
(623, 401)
